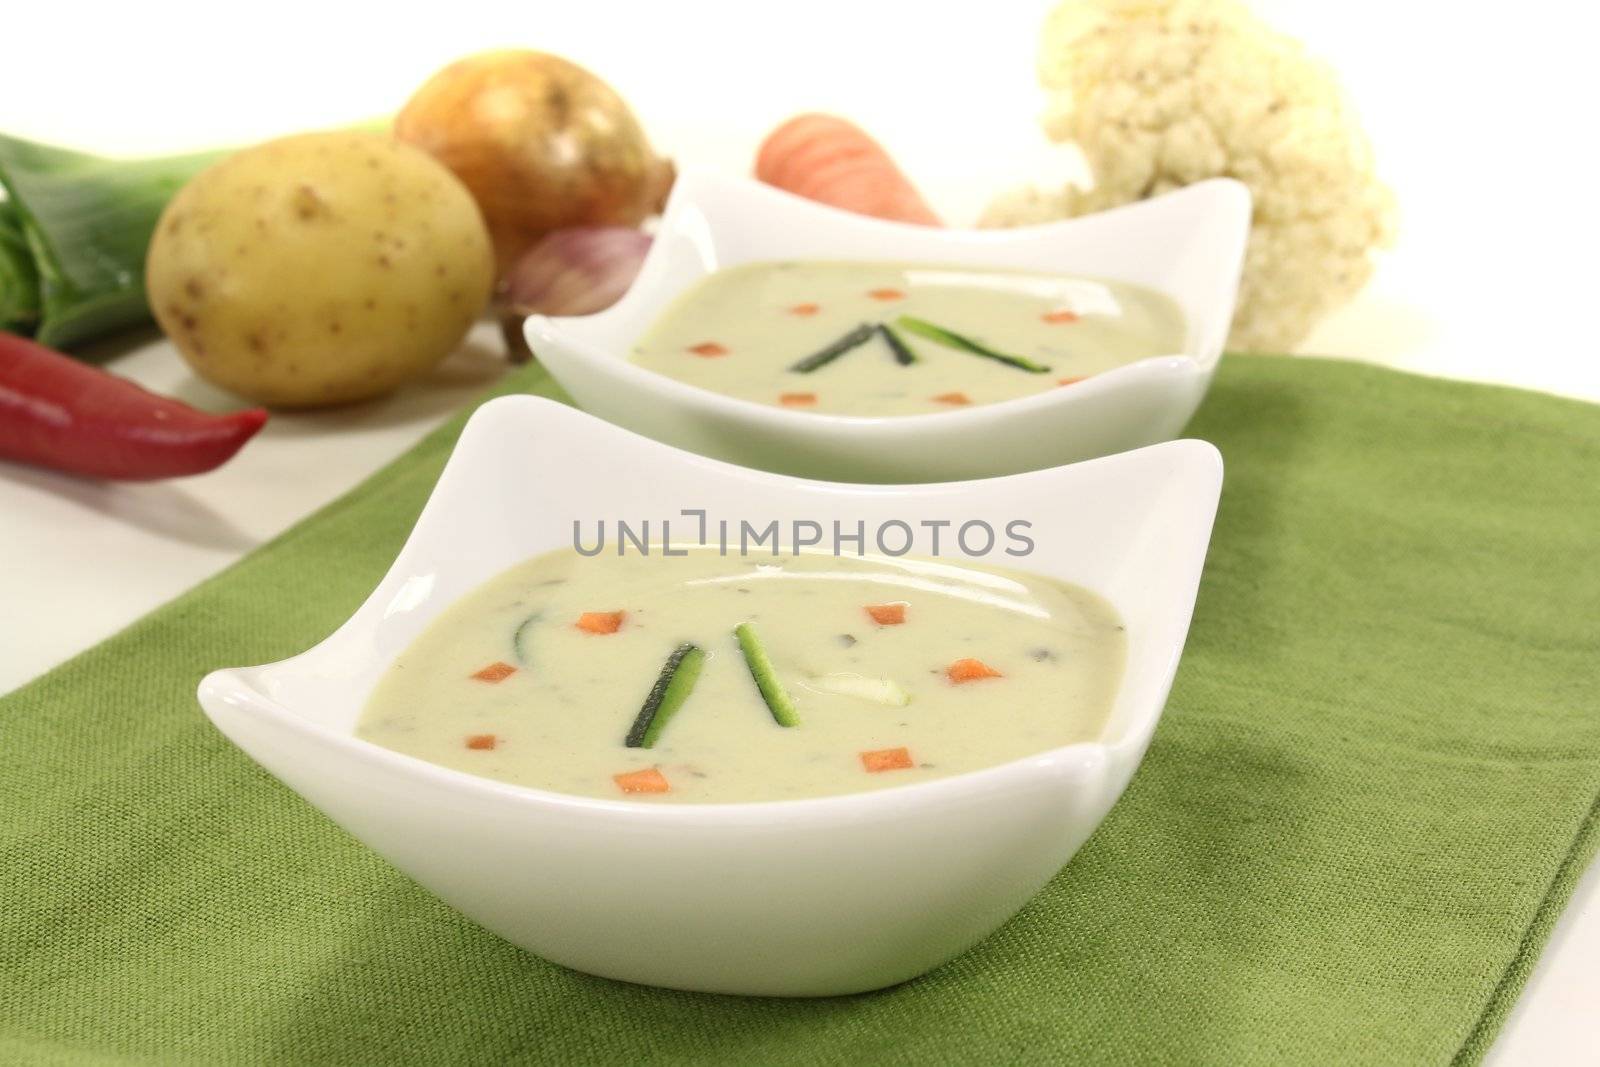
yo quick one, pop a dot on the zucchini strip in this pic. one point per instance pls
(897, 344)
(519, 638)
(854, 339)
(672, 688)
(923, 328)
(766, 678)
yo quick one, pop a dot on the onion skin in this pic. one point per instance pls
(542, 144)
(576, 271)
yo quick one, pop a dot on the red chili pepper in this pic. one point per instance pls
(56, 412)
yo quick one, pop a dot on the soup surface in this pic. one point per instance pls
(772, 677)
(901, 339)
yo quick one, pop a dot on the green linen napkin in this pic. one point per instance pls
(1373, 790)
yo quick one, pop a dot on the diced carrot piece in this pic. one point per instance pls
(797, 400)
(708, 349)
(601, 622)
(886, 294)
(887, 614)
(956, 399)
(887, 759)
(1060, 315)
(648, 780)
(481, 742)
(495, 672)
(805, 309)
(969, 670)
(1071, 381)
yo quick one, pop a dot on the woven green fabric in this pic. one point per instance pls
(1373, 790)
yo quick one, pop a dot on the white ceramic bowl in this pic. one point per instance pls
(803, 897)
(1188, 244)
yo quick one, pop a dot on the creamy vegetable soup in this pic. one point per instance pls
(901, 339)
(726, 678)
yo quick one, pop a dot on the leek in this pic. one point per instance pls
(19, 282)
(74, 229)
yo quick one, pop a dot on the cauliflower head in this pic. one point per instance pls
(1162, 93)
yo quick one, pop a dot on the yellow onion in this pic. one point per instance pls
(541, 143)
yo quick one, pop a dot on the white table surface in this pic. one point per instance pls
(1479, 127)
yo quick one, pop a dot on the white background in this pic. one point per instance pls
(1483, 118)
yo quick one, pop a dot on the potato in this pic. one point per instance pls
(319, 269)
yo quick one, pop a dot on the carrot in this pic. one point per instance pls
(886, 294)
(481, 742)
(495, 672)
(1071, 381)
(1061, 315)
(601, 622)
(709, 349)
(648, 780)
(969, 670)
(805, 310)
(832, 161)
(797, 400)
(887, 614)
(887, 759)
(954, 399)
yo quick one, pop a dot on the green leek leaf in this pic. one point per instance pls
(87, 222)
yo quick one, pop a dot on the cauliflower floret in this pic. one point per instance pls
(1161, 93)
